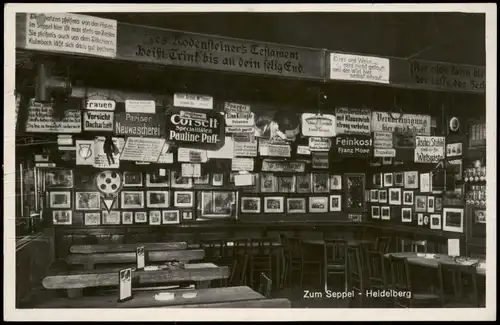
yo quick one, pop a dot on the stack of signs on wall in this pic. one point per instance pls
(239, 118)
(99, 115)
(319, 128)
(319, 147)
(383, 145)
(429, 149)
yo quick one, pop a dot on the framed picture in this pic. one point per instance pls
(250, 205)
(155, 180)
(431, 204)
(177, 181)
(268, 183)
(170, 217)
(411, 180)
(335, 203)
(141, 217)
(155, 217)
(453, 220)
(132, 199)
(388, 180)
(61, 178)
(303, 183)
(406, 215)
(183, 199)
(88, 201)
(395, 196)
(187, 215)
(158, 199)
(382, 196)
(377, 180)
(296, 205)
(203, 180)
(420, 203)
(375, 212)
(127, 217)
(354, 192)
(374, 196)
(218, 204)
(438, 204)
(335, 182)
(408, 198)
(420, 219)
(274, 204)
(454, 149)
(386, 160)
(426, 220)
(321, 183)
(62, 217)
(131, 179)
(436, 221)
(110, 217)
(399, 179)
(425, 182)
(318, 204)
(385, 213)
(479, 215)
(218, 179)
(60, 200)
(92, 218)
(286, 184)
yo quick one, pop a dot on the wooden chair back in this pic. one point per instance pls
(265, 285)
(354, 269)
(334, 253)
(239, 270)
(296, 249)
(400, 279)
(458, 284)
(376, 269)
(382, 244)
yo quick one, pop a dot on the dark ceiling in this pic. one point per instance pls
(445, 37)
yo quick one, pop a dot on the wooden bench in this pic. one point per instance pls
(255, 303)
(126, 248)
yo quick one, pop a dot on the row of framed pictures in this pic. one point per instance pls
(395, 196)
(276, 204)
(409, 179)
(156, 217)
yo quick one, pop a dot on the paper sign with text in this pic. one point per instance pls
(100, 158)
(245, 146)
(41, 120)
(142, 149)
(269, 165)
(140, 106)
(100, 105)
(353, 120)
(191, 155)
(406, 123)
(359, 68)
(236, 108)
(319, 144)
(314, 125)
(320, 160)
(429, 149)
(240, 129)
(240, 119)
(139, 125)
(191, 170)
(165, 156)
(384, 152)
(382, 140)
(303, 150)
(193, 101)
(242, 164)
(98, 121)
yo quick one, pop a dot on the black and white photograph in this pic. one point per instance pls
(286, 184)
(268, 183)
(132, 179)
(170, 217)
(395, 196)
(435, 221)
(155, 217)
(420, 203)
(158, 199)
(127, 217)
(296, 205)
(110, 217)
(387, 160)
(335, 203)
(303, 183)
(374, 198)
(178, 181)
(406, 215)
(431, 204)
(420, 219)
(274, 204)
(59, 178)
(318, 204)
(132, 199)
(375, 212)
(156, 180)
(480, 216)
(382, 196)
(335, 182)
(250, 205)
(411, 180)
(377, 179)
(399, 179)
(321, 183)
(187, 215)
(218, 179)
(203, 180)
(408, 198)
(385, 213)
(453, 220)
(60, 200)
(183, 199)
(87, 200)
(217, 204)
(92, 218)
(62, 217)
(141, 217)
(388, 180)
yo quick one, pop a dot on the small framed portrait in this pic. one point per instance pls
(435, 221)
(395, 196)
(382, 196)
(141, 217)
(411, 180)
(321, 183)
(374, 196)
(88, 201)
(388, 180)
(92, 218)
(296, 205)
(110, 217)
(131, 179)
(132, 199)
(318, 204)
(386, 160)
(268, 183)
(155, 180)
(155, 217)
(375, 212)
(453, 220)
(385, 213)
(335, 203)
(127, 217)
(60, 178)
(183, 199)
(406, 215)
(377, 180)
(438, 203)
(399, 179)
(187, 215)
(426, 220)
(335, 182)
(250, 205)
(62, 217)
(203, 180)
(218, 179)
(218, 203)
(408, 198)
(170, 217)
(454, 149)
(158, 199)
(60, 200)
(286, 184)
(420, 219)
(177, 181)
(303, 183)
(274, 204)
(431, 204)
(480, 216)
(420, 203)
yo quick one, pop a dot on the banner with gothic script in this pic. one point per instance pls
(406, 123)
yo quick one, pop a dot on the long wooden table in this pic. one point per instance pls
(146, 299)
(127, 248)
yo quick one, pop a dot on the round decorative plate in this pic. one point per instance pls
(109, 182)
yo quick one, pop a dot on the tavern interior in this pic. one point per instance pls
(279, 255)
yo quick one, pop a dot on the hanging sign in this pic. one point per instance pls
(319, 144)
(382, 140)
(406, 123)
(240, 119)
(85, 150)
(359, 68)
(139, 125)
(41, 119)
(242, 164)
(100, 105)
(245, 146)
(269, 165)
(185, 130)
(140, 106)
(98, 121)
(191, 155)
(353, 120)
(320, 160)
(236, 108)
(377, 152)
(429, 149)
(193, 101)
(142, 149)
(353, 145)
(239, 129)
(314, 125)
(165, 156)
(100, 158)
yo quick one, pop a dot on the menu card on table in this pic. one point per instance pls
(125, 285)
(141, 257)
(453, 247)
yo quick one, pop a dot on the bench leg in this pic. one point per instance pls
(74, 293)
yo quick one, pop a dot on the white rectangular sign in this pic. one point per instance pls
(100, 105)
(41, 120)
(424, 141)
(193, 101)
(142, 149)
(245, 147)
(383, 140)
(71, 33)
(191, 170)
(100, 158)
(242, 164)
(165, 156)
(269, 165)
(98, 121)
(191, 155)
(240, 119)
(429, 154)
(303, 150)
(140, 106)
(353, 120)
(319, 144)
(240, 129)
(318, 125)
(85, 150)
(236, 108)
(359, 68)
(405, 123)
(384, 152)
